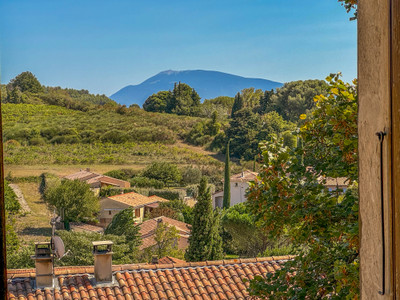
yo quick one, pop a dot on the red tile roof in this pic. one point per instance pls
(95, 178)
(136, 200)
(201, 280)
(170, 260)
(245, 176)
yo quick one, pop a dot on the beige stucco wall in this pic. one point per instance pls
(238, 191)
(374, 104)
(108, 209)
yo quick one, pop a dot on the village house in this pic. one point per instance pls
(240, 182)
(148, 230)
(97, 181)
(110, 206)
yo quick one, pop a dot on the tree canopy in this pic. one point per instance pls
(74, 200)
(26, 82)
(289, 199)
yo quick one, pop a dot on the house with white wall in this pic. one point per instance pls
(239, 184)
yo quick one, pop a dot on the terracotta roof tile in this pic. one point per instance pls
(134, 199)
(201, 280)
(244, 176)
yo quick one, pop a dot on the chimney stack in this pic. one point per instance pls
(102, 251)
(44, 264)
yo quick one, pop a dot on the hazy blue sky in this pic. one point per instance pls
(103, 46)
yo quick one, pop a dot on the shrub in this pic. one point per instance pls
(115, 136)
(168, 194)
(163, 171)
(146, 182)
(123, 174)
(191, 175)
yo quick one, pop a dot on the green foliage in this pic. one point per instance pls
(222, 105)
(122, 224)
(191, 175)
(163, 171)
(183, 212)
(26, 82)
(12, 207)
(183, 100)
(166, 238)
(237, 104)
(80, 245)
(21, 258)
(350, 5)
(203, 241)
(296, 98)
(203, 131)
(139, 181)
(11, 202)
(247, 239)
(227, 180)
(123, 174)
(167, 194)
(158, 102)
(288, 199)
(247, 129)
(112, 191)
(216, 236)
(74, 200)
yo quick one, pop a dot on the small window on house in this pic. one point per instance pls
(236, 184)
(137, 213)
(109, 212)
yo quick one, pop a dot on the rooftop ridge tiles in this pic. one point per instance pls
(142, 267)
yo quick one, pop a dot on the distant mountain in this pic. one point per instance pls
(208, 84)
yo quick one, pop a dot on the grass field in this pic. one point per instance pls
(34, 226)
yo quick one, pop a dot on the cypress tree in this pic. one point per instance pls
(200, 241)
(237, 104)
(227, 180)
(216, 250)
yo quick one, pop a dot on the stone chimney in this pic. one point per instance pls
(102, 251)
(44, 264)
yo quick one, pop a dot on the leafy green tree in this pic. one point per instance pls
(266, 104)
(158, 102)
(166, 238)
(290, 199)
(26, 82)
(123, 224)
(216, 236)
(227, 180)
(80, 246)
(251, 97)
(237, 104)
(200, 241)
(15, 96)
(297, 97)
(163, 171)
(74, 200)
(184, 101)
(247, 239)
(247, 129)
(191, 175)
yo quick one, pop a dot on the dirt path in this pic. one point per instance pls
(20, 196)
